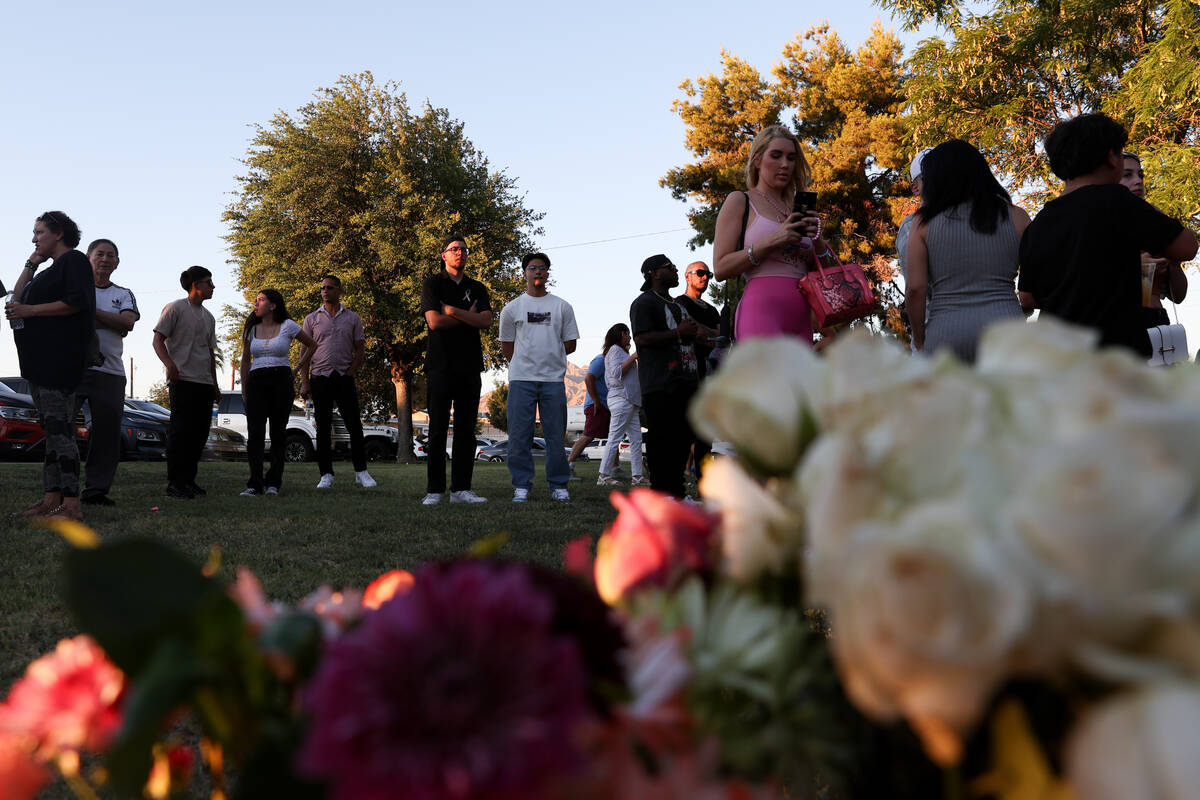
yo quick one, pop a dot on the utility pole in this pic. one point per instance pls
(131, 376)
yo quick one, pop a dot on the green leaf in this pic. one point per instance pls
(131, 594)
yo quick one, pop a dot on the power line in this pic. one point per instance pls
(617, 239)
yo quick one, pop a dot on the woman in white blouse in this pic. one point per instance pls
(268, 387)
(624, 401)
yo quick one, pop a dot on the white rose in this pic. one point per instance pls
(925, 615)
(1099, 520)
(1141, 745)
(759, 402)
(758, 533)
(1048, 345)
(863, 372)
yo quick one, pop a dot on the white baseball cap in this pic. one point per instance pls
(915, 170)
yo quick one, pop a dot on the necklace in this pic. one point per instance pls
(783, 213)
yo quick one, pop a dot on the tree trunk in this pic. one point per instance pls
(404, 434)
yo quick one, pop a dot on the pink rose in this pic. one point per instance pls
(654, 540)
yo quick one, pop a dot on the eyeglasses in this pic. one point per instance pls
(703, 273)
(330, 287)
(539, 267)
(457, 249)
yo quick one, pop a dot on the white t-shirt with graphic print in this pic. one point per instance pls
(537, 327)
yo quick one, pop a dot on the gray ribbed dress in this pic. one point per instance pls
(972, 280)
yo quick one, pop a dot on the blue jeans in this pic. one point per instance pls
(550, 399)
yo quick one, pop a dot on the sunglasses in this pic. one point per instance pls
(703, 273)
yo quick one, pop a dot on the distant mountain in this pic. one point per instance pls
(576, 390)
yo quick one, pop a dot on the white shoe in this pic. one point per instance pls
(561, 495)
(272, 490)
(326, 481)
(466, 496)
(607, 480)
(364, 480)
(520, 495)
(249, 493)
(640, 480)
(432, 499)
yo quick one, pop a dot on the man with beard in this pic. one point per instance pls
(665, 337)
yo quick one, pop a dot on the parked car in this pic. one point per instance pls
(147, 407)
(301, 445)
(21, 435)
(224, 445)
(143, 436)
(499, 451)
(480, 443)
(419, 449)
(15, 384)
(595, 450)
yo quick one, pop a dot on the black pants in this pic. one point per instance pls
(669, 437)
(327, 390)
(462, 390)
(105, 394)
(269, 395)
(191, 416)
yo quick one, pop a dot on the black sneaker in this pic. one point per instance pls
(179, 492)
(196, 490)
(97, 500)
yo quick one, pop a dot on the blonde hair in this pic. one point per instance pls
(803, 172)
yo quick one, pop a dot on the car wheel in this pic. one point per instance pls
(584, 457)
(375, 450)
(298, 448)
(495, 459)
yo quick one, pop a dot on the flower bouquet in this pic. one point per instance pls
(915, 580)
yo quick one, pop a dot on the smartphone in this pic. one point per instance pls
(804, 203)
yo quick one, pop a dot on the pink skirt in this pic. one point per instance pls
(773, 306)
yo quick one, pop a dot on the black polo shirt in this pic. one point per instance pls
(52, 350)
(456, 349)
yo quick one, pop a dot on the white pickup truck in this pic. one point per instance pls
(301, 445)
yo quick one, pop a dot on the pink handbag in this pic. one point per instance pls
(837, 294)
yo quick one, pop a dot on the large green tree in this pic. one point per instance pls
(845, 107)
(358, 184)
(1001, 73)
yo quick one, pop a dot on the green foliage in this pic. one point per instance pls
(360, 185)
(160, 393)
(763, 683)
(497, 406)
(846, 108)
(1002, 78)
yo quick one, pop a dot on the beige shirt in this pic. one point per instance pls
(191, 337)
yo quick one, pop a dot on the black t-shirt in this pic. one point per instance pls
(456, 349)
(1081, 260)
(52, 350)
(706, 315)
(663, 367)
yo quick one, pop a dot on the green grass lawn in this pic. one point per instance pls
(345, 536)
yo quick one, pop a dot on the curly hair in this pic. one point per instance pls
(1082, 144)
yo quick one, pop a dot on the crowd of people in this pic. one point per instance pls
(969, 255)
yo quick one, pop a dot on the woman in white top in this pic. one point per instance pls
(268, 387)
(624, 400)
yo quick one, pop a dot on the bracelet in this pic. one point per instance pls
(754, 262)
(30, 265)
(820, 227)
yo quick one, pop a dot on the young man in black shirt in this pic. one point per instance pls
(456, 308)
(665, 337)
(1081, 255)
(708, 318)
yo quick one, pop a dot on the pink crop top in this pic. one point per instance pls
(790, 263)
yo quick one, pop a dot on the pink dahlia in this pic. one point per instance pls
(456, 689)
(67, 700)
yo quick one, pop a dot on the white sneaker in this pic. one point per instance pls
(466, 496)
(432, 499)
(364, 480)
(249, 493)
(520, 495)
(272, 490)
(326, 481)
(561, 495)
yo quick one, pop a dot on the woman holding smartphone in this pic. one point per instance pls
(268, 387)
(779, 245)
